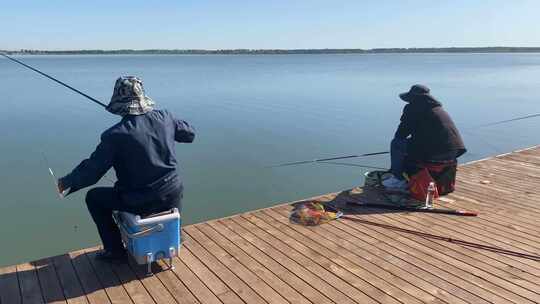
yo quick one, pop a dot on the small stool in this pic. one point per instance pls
(150, 238)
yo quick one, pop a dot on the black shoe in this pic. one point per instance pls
(111, 256)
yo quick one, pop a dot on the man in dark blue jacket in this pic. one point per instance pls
(140, 148)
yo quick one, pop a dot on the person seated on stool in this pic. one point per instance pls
(140, 148)
(426, 133)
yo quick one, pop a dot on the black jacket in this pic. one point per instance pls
(433, 133)
(140, 148)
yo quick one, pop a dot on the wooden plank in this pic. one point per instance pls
(460, 254)
(321, 238)
(312, 279)
(246, 275)
(69, 281)
(502, 267)
(295, 282)
(477, 236)
(502, 185)
(503, 172)
(153, 285)
(9, 285)
(471, 274)
(388, 283)
(50, 284)
(214, 283)
(244, 291)
(134, 288)
(501, 212)
(507, 168)
(230, 297)
(92, 287)
(488, 217)
(503, 279)
(405, 268)
(508, 199)
(497, 231)
(178, 290)
(328, 271)
(250, 263)
(513, 263)
(404, 250)
(500, 191)
(29, 284)
(194, 284)
(108, 279)
(440, 273)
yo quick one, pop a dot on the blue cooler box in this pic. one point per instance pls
(151, 238)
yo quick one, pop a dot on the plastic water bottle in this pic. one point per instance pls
(430, 195)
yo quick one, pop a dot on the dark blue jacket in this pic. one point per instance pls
(140, 148)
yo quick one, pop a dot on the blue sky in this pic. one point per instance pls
(225, 24)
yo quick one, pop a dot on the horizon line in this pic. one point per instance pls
(329, 51)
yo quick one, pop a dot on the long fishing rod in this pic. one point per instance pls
(446, 239)
(54, 79)
(327, 159)
(416, 209)
(354, 165)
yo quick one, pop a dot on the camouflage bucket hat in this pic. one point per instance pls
(129, 98)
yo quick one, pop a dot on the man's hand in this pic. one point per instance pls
(62, 190)
(60, 186)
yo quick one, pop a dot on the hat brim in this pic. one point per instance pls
(131, 107)
(405, 96)
(409, 97)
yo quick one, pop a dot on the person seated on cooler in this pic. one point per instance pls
(140, 148)
(426, 133)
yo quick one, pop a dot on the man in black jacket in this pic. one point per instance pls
(140, 148)
(426, 134)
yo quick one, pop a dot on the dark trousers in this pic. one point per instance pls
(400, 162)
(102, 201)
(398, 154)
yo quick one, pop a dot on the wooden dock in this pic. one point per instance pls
(259, 257)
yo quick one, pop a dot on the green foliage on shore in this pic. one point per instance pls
(281, 51)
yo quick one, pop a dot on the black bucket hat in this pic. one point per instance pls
(416, 92)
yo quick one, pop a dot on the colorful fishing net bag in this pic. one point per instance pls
(312, 214)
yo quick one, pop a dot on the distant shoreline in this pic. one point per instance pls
(280, 51)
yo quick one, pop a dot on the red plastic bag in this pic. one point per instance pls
(419, 183)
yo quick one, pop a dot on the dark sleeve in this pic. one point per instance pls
(405, 126)
(92, 169)
(183, 132)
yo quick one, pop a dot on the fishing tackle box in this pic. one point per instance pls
(150, 238)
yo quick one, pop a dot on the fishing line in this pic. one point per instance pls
(54, 79)
(508, 120)
(485, 142)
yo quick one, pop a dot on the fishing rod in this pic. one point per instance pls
(354, 165)
(55, 180)
(508, 120)
(54, 79)
(416, 209)
(446, 239)
(327, 159)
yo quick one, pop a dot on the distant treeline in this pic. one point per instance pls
(282, 51)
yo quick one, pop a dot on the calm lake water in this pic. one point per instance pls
(250, 112)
